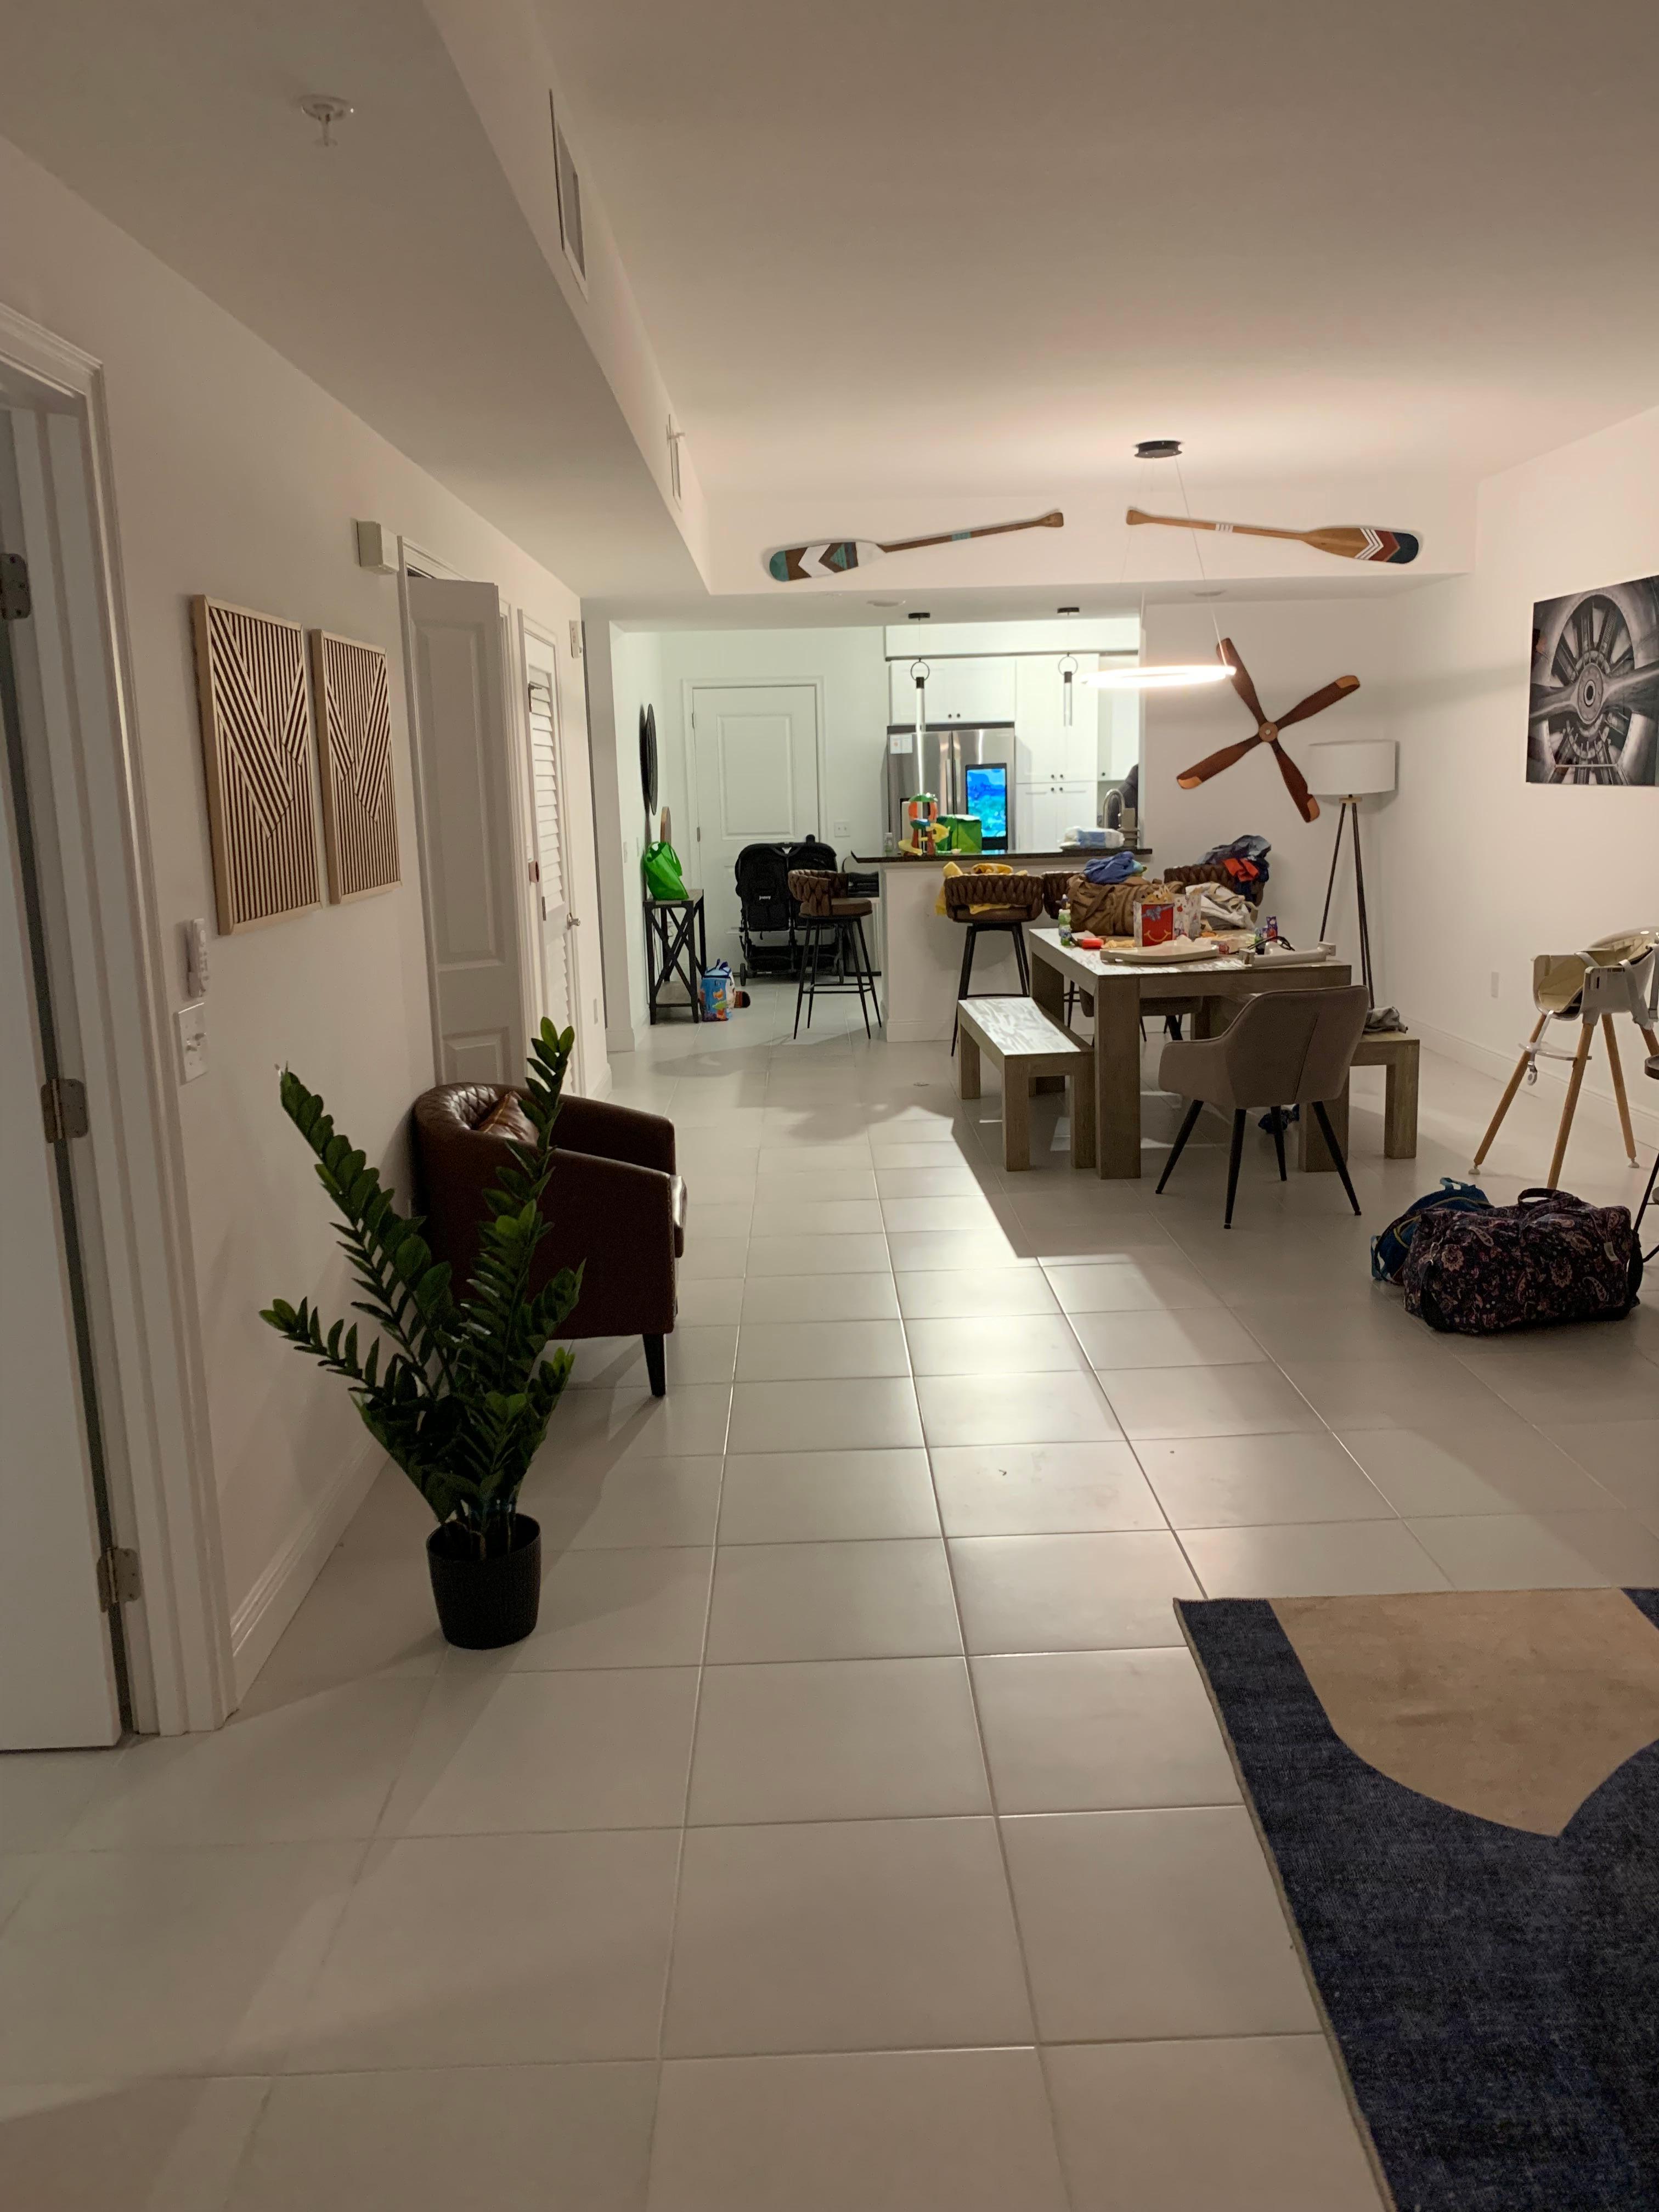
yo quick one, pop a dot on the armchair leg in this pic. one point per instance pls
(1278, 1140)
(1235, 1154)
(1180, 1143)
(1329, 1135)
(656, 1366)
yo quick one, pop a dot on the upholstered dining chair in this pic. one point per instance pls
(1283, 1049)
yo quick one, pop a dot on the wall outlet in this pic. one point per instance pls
(842, 829)
(1494, 983)
(191, 1023)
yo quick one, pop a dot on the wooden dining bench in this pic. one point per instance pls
(1020, 1038)
(1398, 1054)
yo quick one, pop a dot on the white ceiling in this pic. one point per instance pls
(396, 269)
(962, 245)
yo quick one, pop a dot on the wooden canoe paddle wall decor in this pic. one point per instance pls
(1268, 733)
(838, 556)
(256, 741)
(1344, 541)
(354, 753)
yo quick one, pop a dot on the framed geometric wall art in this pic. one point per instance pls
(354, 753)
(1594, 713)
(255, 739)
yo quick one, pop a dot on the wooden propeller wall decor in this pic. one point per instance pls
(1267, 733)
(1345, 541)
(838, 556)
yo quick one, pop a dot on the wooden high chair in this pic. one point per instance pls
(1615, 976)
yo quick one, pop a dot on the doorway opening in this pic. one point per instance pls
(111, 1600)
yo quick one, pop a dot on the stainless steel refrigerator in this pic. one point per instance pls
(967, 766)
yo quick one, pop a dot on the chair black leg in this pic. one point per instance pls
(813, 986)
(1071, 1001)
(656, 1366)
(1279, 1140)
(800, 983)
(849, 945)
(1022, 961)
(1236, 1152)
(1180, 1143)
(869, 967)
(1329, 1135)
(967, 975)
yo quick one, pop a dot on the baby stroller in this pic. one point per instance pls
(765, 909)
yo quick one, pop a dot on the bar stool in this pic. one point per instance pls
(828, 915)
(991, 903)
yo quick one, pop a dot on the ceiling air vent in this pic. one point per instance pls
(570, 201)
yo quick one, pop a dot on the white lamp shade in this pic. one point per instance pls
(1357, 770)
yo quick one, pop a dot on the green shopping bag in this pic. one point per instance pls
(661, 866)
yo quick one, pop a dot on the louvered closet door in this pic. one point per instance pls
(558, 946)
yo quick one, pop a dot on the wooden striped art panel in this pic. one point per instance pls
(353, 750)
(255, 739)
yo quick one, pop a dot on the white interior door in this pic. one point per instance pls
(57, 1683)
(755, 752)
(560, 969)
(472, 839)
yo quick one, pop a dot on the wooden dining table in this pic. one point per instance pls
(1212, 990)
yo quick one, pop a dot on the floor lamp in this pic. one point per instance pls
(1347, 774)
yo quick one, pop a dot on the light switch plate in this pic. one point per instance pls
(191, 1022)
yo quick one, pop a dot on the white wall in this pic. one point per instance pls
(852, 667)
(658, 668)
(1483, 869)
(1290, 649)
(235, 476)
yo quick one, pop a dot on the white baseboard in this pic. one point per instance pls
(276, 1597)
(1595, 1101)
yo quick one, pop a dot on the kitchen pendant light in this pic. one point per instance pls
(1067, 686)
(920, 671)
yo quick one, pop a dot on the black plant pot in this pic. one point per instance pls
(485, 1602)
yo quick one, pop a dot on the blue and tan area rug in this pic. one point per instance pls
(1461, 1793)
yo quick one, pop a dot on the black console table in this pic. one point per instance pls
(675, 946)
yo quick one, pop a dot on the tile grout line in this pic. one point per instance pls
(1001, 1839)
(685, 1809)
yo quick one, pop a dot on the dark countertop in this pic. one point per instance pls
(1082, 853)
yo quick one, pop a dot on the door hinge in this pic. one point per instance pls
(64, 1110)
(15, 601)
(119, 1579)
(575, 641)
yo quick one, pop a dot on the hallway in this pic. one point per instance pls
(853, 1834)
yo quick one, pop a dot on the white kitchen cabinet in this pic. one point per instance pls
(1045, 811)
(958, 691)
(1048, 750)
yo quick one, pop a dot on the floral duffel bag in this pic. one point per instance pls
(1550, 1257)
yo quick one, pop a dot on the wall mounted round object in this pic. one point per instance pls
(1157, 449)
(648, 758)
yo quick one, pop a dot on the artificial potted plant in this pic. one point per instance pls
(462, 1398)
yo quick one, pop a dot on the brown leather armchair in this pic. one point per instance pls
(614, 1202)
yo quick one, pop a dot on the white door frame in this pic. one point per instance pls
(530, 632)
(141, 1283)
(690, 687)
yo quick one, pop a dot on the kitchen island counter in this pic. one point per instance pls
(922, 951)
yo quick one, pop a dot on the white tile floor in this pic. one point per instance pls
(853, 1835)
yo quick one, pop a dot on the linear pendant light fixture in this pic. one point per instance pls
(1170, 675)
